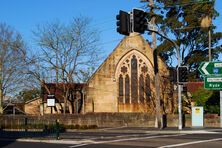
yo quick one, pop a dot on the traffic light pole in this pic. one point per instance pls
(220, 109)
(179, 87)
(140, 26)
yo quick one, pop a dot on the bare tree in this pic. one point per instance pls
(69, 52)
(12, 65)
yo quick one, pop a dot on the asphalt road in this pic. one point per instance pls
(127, 138)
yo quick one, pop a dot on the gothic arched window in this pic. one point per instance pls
(134, 78)
(134, 81)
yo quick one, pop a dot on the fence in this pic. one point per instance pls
(50, 126)
(29, 127)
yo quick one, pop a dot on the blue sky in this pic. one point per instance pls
(24, 15)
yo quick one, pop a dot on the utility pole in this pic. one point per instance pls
(157, 87)
(156, 70)
(140, 26)
(210, 55)
(179, 86)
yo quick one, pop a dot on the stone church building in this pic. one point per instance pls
(124, 82)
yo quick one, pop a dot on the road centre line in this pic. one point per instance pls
(128, 139)
(190, 143)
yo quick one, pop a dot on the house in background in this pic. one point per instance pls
(55, 92)
(33, 107)
(14, 109)
(13, 106)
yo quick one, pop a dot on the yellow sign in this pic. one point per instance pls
(197, 110)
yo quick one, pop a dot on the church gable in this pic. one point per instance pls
(124, 82)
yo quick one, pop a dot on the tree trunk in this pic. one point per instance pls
(1, 100)
(1, 91)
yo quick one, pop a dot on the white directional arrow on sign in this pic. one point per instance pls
(210, 68)
(204, 68)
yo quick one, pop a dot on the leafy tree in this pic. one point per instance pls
(181, 21)
(208, 99)
(27, 95)
(213, 103)
(201, 96)
(188, 23)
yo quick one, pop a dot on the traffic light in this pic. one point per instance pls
(182, 73)
(139, 21)
(123, 23)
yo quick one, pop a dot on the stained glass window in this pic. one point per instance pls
(134, 81)
(127, 89)
(141, 89)
(121, 88)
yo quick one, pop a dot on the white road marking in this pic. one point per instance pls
(198, 132)
(112, 128)
(190, 143)
(128, 139)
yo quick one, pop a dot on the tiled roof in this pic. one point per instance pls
(57, 89)
(194, 86)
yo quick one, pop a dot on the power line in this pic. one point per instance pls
(112, 41)
(103, 21)
(108, 29)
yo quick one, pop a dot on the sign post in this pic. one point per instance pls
(51, 101)
(212, 72)
(220, 109)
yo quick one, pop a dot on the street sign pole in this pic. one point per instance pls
(220, 109)
(179, 107)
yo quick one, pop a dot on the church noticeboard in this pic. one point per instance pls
(197, 116)
(50, 100)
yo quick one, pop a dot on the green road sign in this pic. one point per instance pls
(210, 68)
(213, 82)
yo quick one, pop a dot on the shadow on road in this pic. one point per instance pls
(8, 137)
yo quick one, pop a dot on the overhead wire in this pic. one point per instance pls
(105, 21)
